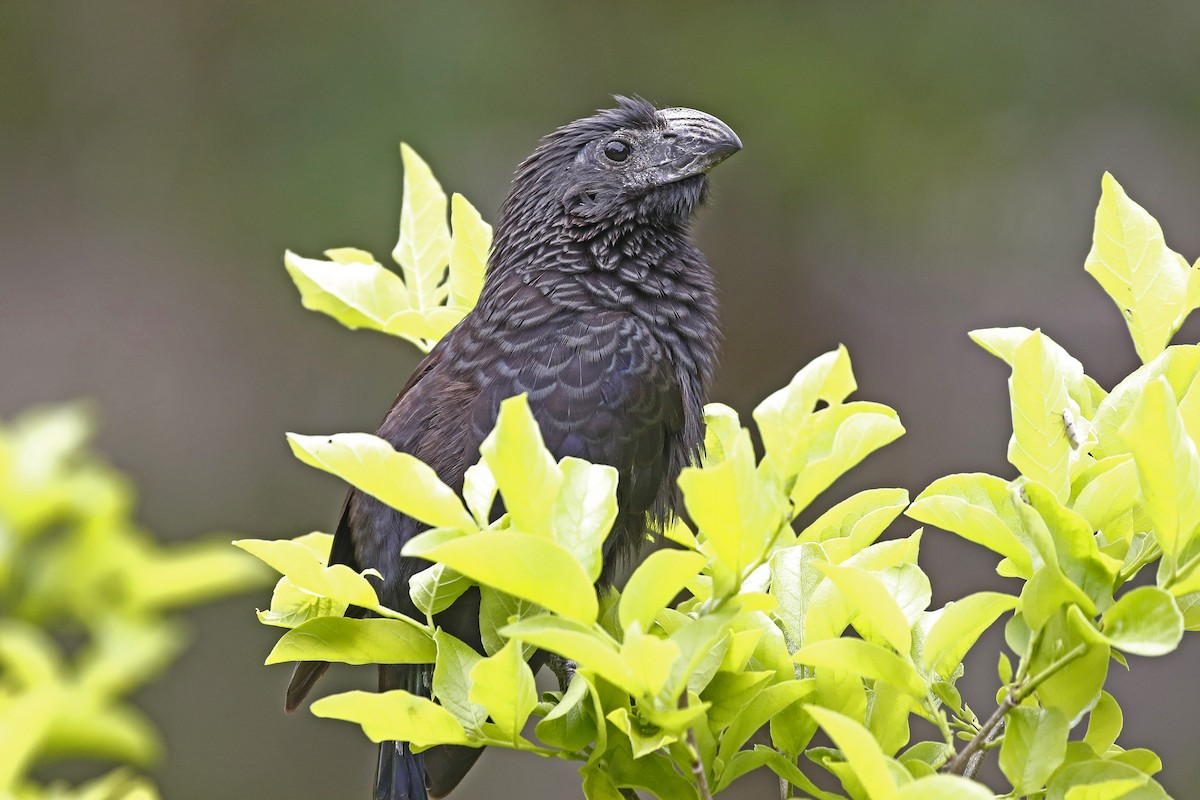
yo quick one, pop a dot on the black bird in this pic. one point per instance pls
(596, 304)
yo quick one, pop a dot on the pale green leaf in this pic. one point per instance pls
(767, 704)
(479, 492)
(583, 513)
(959, 626)
(1105, 790)
(452, 680)
(303, 568)
(649, 659)
(395, 715)
(1105, 721)
(589, 648)
(979, 508)
(828, 377)
(568, 725)
(738, 513)
(1169, 468)
(1132, 784)
(721, 429)
(355, 641)
(470, 242)
(1074, 688)
(795, 574)
(532, 567)
(396, 479)
(1179, 364)
(877, 611)
(1003, 343)
(1145, 621)
(358, 294)
(860, 750)
(656, 581)
(1035, 742)
(863, 658)
(526, 473)
(423, 249)
(862, 517)
(435, 589)
(291, 605)
(944, 787)
(503, 684)
(833, 440)
(1039, 447)
(1106, 490)
(1146, 279)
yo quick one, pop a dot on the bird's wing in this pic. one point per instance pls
(602, 388)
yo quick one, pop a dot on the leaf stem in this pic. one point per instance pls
(967, 762)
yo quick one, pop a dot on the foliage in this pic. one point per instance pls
(86, 602)
(827, 629)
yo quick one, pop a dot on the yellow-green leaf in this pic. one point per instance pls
(395, 715)
(1147, 280)
(470, 242)
(503, 684)
(866, 659)
(355, 641)
(867, 761)
(1040, 448)
(656, 581)
(423, 250)
(397, 479)
(959, 625)
(526, 473)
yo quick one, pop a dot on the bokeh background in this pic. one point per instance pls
(911, 172)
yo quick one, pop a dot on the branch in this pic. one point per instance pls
(698, 773)
(967, 762)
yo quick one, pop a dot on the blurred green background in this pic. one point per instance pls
(911, 172)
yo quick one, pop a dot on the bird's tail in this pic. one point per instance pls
(401, 774)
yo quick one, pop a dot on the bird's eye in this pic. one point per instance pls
(617, 150)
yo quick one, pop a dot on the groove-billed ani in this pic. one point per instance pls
(597, 305)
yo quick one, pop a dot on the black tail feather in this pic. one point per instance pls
(401, 773)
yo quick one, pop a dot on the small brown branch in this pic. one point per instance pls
(698, 773)
(967, 762)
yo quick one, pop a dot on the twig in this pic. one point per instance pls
(967, 762)
(698, 773)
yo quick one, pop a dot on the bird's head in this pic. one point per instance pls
(629, 164)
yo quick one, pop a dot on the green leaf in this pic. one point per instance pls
(498, 610)
(1146, 279)
(291, 605)
(1145, 622)
(525, 471)
(395, 715)
(877, 610)
(729, 693)
(944, 787)
(643, 739)
(568, 725)
(795, 574)
(858, 747)
(721, 429)
(357, 293)
(355, 641)
(649, 659)
(738, 514)
(503, 684)
(1179, 365)
(1086, 774)
(887, 717)
(1003, 343)
(1105, 790)
(303, 568)
(1035, 742)
(435, 589)
(452, 680)
(479, 492)
(1169, 468)
(1106, 490)
(772, 701)
(866, 659)
(531, 567)
(469, 246)
(979, 508)
(835, 439)
(828, 377)
(1104, 724)
(1040, 448)
(861, 518)
(589, 648)
(1074, 688)
(959, 626)
(656, 581)
(584, 511)
(423, 249)
(396, 479)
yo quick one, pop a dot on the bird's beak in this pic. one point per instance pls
(702, 140)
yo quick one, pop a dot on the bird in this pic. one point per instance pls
(599, 307)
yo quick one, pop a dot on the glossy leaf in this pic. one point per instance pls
(470, 242)
(866, 659)
(860, 751)
(959, 626)
(1040, 448)
(1145, 621)
(396, 479)
(394, 715)
(503, 684)
(656, 581)
(1146, 279)
(355, 641)
(525, 471)
(1035, 742)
